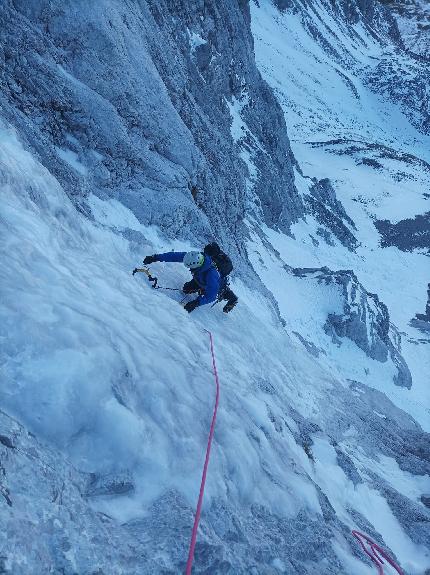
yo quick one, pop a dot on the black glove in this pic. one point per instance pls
(150, 260)
(191, 305)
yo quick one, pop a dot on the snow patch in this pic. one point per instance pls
(71, 158)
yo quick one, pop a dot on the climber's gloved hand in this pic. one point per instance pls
(191, 305)
(150, 260)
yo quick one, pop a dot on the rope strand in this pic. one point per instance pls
(375, 553)
(205, 467)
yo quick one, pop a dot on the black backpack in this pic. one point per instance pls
(220, 259)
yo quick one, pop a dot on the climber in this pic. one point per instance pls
(224, 266)
(206, 278)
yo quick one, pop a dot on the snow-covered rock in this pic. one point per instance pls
(47, 517)
(124, 107)
(413, 19)
(364, 319)
(422, 320)
(324, 206)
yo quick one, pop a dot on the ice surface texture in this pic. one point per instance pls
(134, 128)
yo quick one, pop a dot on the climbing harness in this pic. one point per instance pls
(153, 279)
(205, 467)
(375, 553)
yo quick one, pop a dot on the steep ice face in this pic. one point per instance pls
(47, 522)
(117, 376)
(153, 130)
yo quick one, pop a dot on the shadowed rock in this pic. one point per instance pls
(407, 234)
(323, 204)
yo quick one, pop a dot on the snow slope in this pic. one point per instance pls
(336, 131)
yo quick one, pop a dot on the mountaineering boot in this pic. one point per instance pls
(229, 306)
(191, 305)
(231, 298)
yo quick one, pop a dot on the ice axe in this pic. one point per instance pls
(153, 279)
(146, 271)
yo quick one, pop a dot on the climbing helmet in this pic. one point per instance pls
(193, 260)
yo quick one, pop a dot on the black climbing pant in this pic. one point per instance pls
(231, 298)
(226, 295)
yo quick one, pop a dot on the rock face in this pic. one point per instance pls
(323, 204)
(422, 320)
(69, 536)
(408, 234)
(427, 314)
(399, 75)
(365, 320)
(413, 19)
(132, 102)
(159, 104)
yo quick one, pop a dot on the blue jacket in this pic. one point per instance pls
(206, 276)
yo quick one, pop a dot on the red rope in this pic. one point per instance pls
(205, 467)
(375, 553)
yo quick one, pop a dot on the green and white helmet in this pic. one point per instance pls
(193, 260)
